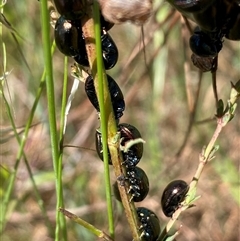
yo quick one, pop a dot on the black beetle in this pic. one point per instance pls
(109, 49)
(138, 184)
(172, 196)
(203, 45)
(115, 93)
(135, 152)
(68, 37)
(150, 225)
(127, 132)
(71, 42)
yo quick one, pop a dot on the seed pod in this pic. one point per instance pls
(172, 196)
(115, 93)
(120, 11)
(150, 225)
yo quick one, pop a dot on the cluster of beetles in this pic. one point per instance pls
(215, 19)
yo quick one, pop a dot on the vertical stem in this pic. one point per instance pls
(61, 138)
(102, 82)
(92, 34)
(60, 224)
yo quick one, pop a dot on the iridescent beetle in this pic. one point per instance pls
(215, 20)
(70, 41)
(138, 184)
(127, 132)
(116, 94)
(134, 154)
(150, 225)
(172, 196)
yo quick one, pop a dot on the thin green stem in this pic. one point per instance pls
(14, 173)
(101, 82)
(60, 225)
(206, 156)
(113, 137)
(61, 138)
(21, 153)
(86, 225)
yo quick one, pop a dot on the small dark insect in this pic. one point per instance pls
(135, 152)
(138, 183)
(216, 20)
(115, 93)
(172, 196)
(71, 9)
(68, 37)
(70, 41)
(150, 225)
(203, 45)
(127, 133)
(120, 11)
(110, 53)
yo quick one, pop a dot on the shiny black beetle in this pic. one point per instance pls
(150, 225)
(138, 184)
(116, 94)
(71, 42)
(172, 196)
(127, 132)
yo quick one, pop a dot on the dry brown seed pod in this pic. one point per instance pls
(120, 11)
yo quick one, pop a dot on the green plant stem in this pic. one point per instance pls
(102, 82)
(85, 224)
(108, 115)
(21, 153)
(60, 224)
(61, 138)
(203, 159)
(92, 35)
(14, 173)
(207, 155)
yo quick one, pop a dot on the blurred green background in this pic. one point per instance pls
(156, 95)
